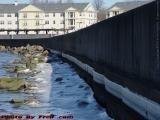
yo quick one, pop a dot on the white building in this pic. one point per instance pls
(121, 7)
(72, 16)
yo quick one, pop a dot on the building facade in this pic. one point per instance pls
(64, 16)
(121, 7)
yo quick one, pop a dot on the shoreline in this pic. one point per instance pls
(27, 68)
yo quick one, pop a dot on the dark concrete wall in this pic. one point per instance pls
(126, 45)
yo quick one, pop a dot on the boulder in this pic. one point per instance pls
(14, 84)
(45, 53)
(30, 102)
(2, 48)
(39, 48)
(17, 101)
(19, 68)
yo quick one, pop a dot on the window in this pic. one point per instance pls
(71, 22)
(62, 22)
(2, 22)
(1, 15)
(37, 23)
(53, 14)
(25, 15)
(37, 15)
(62, 14)
(108, 15)
(9, 22)
(25, 24)
(91, 14)
(46, 15)
(16, 15)
(115, 12)
(46, 22)
(54, 22)
(9, 15)
(71, 14)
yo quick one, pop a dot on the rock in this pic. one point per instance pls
(19, 68)
(17, 61)
(28, 55)
(39, 48)
(31, 102)
(24, 71)
(17, 101)
(2, 48)
(8, 48)
(45, 53)
(59, 79)
(81, 86)
(28, 62)
(41, 60)
(36, 59)
(14, 84)
(83, 104)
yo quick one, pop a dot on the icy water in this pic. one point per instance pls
(60, 91)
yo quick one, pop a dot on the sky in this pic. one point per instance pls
(107, 2)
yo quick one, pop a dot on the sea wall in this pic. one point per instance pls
(122, 53)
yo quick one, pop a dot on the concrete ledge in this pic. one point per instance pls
(144, 106)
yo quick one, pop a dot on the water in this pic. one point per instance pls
(60, 91)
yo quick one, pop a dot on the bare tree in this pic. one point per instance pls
(101, 15)
(69, 1)
(98, 4)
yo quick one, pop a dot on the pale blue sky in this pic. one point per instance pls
(107, 2)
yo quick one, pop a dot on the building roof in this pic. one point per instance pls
(129, 5)
(61, 6)
(11, 8)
